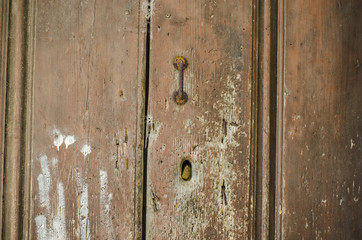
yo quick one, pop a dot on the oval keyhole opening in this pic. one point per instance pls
(186, 170)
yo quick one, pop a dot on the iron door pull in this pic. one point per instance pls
(179, 96)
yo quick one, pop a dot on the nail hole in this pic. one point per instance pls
(186, 170)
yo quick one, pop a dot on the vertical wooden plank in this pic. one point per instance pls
(15, 121)
(87, 119)
(266, 120)
(212, 130)
(320, 125)
(4, 10)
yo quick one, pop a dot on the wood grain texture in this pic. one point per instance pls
(4, 21)
(266, 120)
(320, 125)
(87, 119)
(16, 123)
(212, 130)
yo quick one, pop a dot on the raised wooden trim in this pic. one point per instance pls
(266, 120)
(18, 120)
(280, 119)
(4, 11)
(253, 208)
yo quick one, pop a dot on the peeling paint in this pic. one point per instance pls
(352, 143)
(83, 210)
(154, 128)
(58, 138)
(56, 230)
(68, 141)
(86, 149)
(41, 227)
(44, 183)
(105, 204)
(54, 164)
(59, 226)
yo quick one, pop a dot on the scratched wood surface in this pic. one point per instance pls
(87, 124)
(320, 120)
(212, 130)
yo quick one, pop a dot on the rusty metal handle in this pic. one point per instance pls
(179, 96)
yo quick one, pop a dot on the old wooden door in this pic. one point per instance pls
(75, 107)
(319, 134)
(267, 144)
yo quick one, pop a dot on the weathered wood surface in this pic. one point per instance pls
(320, 120)
(86, 170)
(16, 119)
(212, 130)
(4, 18)
(266, 106)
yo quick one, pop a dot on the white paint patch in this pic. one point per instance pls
(189, 125)
(83, 210)
(105, 204)
(58, 138)
(54, 164)
(153, 130)
(41, 227)
(68, 141)
(58, 230)
(296, 117)
(86, 149)
(44, 183)
(352, 143)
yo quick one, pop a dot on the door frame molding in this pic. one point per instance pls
(4, 10)
(16, 93)
(265, 119)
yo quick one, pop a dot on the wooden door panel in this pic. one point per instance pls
(320, 126)
(212, 130)
(87, 107)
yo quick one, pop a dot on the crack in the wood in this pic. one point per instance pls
(146, 126)
(223, 193)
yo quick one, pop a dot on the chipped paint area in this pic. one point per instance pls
(59, 226)
(189, 124)
(228, 110)
(154, 128)
(58, 138)
(69, 140)
(86, 149)
(51, 224)
(214, 171)
(352, 144)
(44, 183)
(41, 226)
(54, 228)
(83, 210)
(189, 200)
(105, 204)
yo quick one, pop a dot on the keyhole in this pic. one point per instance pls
(186, 170)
